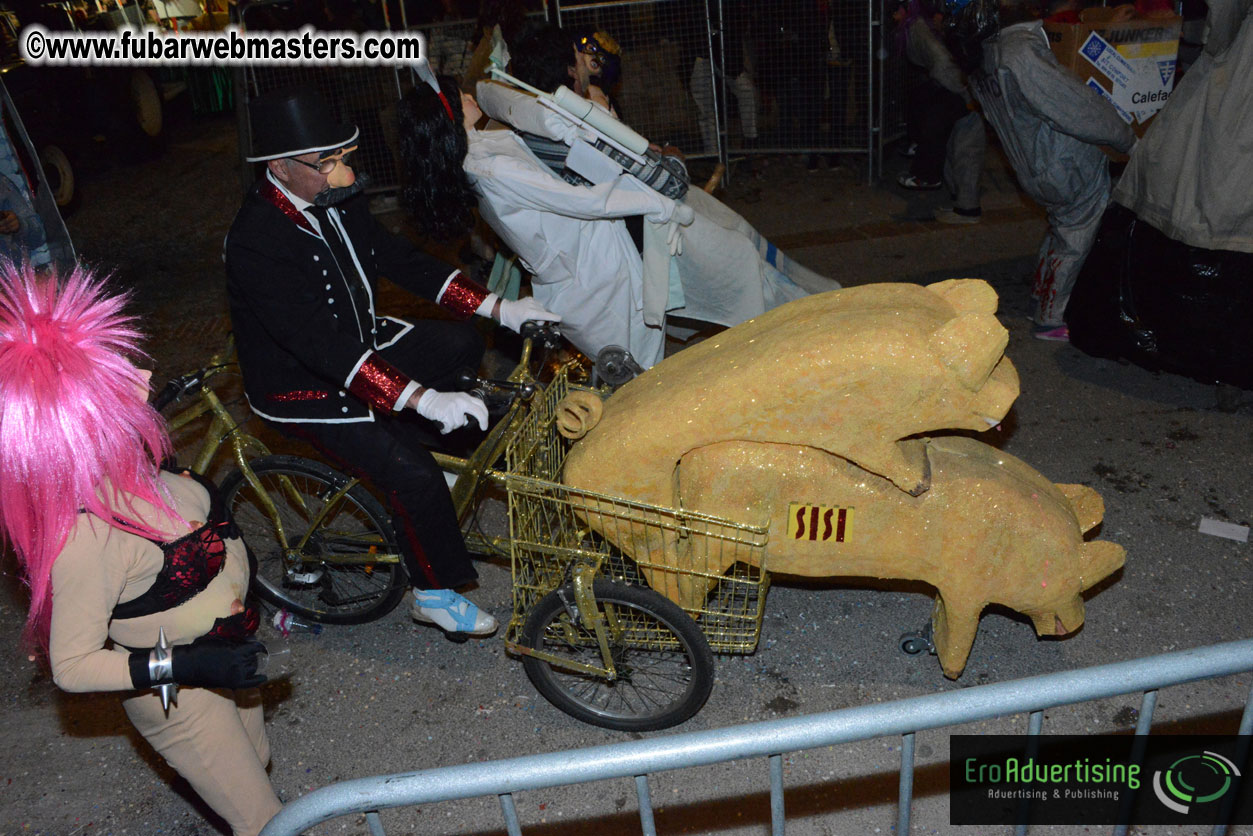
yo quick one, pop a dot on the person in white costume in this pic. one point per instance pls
(573, 239)
(724, 271)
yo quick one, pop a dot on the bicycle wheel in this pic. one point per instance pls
(332, 580)
(663, 662)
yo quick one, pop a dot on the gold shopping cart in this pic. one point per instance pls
(595, 639)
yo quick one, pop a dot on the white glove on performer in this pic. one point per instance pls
(451, 410)
(681, 217)
(514, 314)
(674, 238)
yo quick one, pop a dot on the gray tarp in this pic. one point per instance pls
(1191, 176)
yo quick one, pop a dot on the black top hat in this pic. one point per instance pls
(294, 121)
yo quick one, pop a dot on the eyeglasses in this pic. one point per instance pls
(599, 49)
(327, 165)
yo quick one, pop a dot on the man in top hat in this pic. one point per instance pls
(303, 258)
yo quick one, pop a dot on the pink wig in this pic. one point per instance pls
(75, 433)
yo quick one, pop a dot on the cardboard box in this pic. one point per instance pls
(1131, 63)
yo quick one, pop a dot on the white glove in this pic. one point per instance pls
(451, 410)
(674, 238)
(514, 314)
(683, 214)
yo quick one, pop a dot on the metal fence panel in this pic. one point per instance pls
(811, 64)
(712, 77)
(735, 77)
(449, 46)
(894, 75)
(768, 739)
(665, 92)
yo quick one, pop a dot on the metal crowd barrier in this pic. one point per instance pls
(772, 739)
(730, 78)
(717, 78)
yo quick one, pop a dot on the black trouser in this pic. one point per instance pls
(936, 110)
(390, 451)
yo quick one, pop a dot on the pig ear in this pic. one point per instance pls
(1087, 504)
(970, 345)
(967, 295)
(1101, 558)
(998, 392)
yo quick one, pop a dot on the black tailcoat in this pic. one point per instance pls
(306, 330)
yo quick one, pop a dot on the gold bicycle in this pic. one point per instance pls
(324, 545)
(594, 639)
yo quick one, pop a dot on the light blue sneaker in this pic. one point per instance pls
(452, 613)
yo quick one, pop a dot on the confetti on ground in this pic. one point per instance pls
(1218, 528)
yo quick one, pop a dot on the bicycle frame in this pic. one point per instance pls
(223, 428)
(472, 471)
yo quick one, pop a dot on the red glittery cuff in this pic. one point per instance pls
(463, 296)
(378, 383)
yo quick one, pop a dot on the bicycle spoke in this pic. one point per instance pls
(333, 573)
(653, 680)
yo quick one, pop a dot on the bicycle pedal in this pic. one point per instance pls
(305, 578)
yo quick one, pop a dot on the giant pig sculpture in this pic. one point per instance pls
(850, 371)
(801, 419)
(989, 530)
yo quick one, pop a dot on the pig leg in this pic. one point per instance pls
(906, 466)
(954, 624)
(704, 481)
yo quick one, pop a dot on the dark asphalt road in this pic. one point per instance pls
(392, 695)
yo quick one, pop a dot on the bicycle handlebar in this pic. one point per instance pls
(547, 334)
(177, 387)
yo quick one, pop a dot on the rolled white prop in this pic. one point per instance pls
(583, 109)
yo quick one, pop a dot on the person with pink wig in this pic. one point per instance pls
(137, 579)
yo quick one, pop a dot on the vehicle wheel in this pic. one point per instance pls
(917, 641)
(59, 172)
(318, 586)
(139, 126)
(664, 664)
(146, 104)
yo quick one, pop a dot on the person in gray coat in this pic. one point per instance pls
(1051, 127)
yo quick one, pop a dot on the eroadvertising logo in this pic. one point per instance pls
(1098, 779)
(1195, 779)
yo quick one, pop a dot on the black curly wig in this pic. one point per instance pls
(432, 153)
(543, 59)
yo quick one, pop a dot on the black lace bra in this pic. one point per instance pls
(190, 563)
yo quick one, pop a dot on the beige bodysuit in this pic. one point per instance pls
(214, 738)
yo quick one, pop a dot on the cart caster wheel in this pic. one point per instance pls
(916, 642)
(913, 644)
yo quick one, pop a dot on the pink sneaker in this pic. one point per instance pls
(1053, 333)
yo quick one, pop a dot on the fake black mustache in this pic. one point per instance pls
(332, 197)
